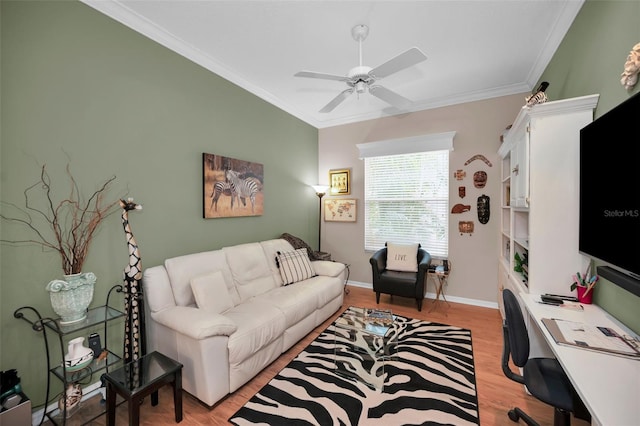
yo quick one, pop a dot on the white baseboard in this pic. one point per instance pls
(88, 391)
(463, 300)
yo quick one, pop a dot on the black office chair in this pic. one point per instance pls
(395, 283)
(544, 377)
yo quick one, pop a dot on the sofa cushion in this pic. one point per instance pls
(300, 300)
(182, 268)
(271, 249)
(250, 269)
(259, 324)
(210, 292)
(294, 266)
(402, 257)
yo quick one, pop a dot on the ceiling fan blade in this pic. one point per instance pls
(311, 74)
(337, 100)
(390, 97)
(404, 60)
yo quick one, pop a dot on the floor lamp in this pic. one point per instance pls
(320, 191)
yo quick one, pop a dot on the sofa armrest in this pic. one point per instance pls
(328, 268)
(195, 323)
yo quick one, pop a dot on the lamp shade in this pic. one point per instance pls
(320, 189)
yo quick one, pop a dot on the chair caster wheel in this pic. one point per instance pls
(513, 416)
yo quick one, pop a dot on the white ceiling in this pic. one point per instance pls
(476, 49)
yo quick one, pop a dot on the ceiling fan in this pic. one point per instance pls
(362, 78)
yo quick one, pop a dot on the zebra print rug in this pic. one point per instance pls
(431, 381)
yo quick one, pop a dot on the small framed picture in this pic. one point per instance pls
(340, 181)
(340, 210)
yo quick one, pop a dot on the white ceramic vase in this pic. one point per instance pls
(78, 356)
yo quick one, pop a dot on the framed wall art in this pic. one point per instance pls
(340, 182)
(231, 187)
(340, 210)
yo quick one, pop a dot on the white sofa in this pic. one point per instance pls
(228, 337)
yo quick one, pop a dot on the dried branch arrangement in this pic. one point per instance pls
(67, 226)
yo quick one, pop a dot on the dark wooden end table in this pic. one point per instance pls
(142, 378)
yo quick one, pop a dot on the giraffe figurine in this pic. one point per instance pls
(134, 324)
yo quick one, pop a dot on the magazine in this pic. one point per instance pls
(591, 337)
(379, 316)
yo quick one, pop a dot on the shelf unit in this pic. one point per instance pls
(99, 316)
(540, 196)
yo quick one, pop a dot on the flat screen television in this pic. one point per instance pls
(610, 188)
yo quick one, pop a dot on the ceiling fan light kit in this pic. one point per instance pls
(361, 78)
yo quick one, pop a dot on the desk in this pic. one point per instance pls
(609, 385)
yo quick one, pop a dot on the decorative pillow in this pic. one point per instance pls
(210, 292)
(402, 257)
(294, 266)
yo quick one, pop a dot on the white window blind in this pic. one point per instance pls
(407, 200)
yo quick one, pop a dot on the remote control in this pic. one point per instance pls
(550, 299)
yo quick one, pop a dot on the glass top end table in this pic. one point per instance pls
(365, 339)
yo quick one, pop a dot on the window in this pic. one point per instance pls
(407, 197)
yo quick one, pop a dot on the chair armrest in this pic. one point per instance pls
(424, 259)
(378, 262)
(195, 323)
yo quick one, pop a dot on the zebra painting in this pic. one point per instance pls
(220, 188)
(243, 188)
(238, 180)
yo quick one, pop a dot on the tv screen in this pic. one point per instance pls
(610, 188)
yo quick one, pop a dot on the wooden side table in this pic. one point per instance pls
(142, 378)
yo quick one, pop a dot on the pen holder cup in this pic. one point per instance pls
(582, 298)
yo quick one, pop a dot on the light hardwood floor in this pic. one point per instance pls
(496, 393)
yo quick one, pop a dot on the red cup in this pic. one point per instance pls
(582, 298)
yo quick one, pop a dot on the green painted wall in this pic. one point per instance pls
(76, 83)
(73, 82)
(590, 60)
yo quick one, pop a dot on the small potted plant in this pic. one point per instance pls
(66, 226)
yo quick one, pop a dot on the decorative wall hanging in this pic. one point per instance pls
(539, 96)
(340, 181)
(462, 191)
(340, 210)
(631, 68)
(478, 157)
(459, 174)
(460, 208)
(465, 227)
(483, 209)
(231, 187)
(480, 179)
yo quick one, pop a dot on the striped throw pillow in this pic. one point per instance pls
(294, 266)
